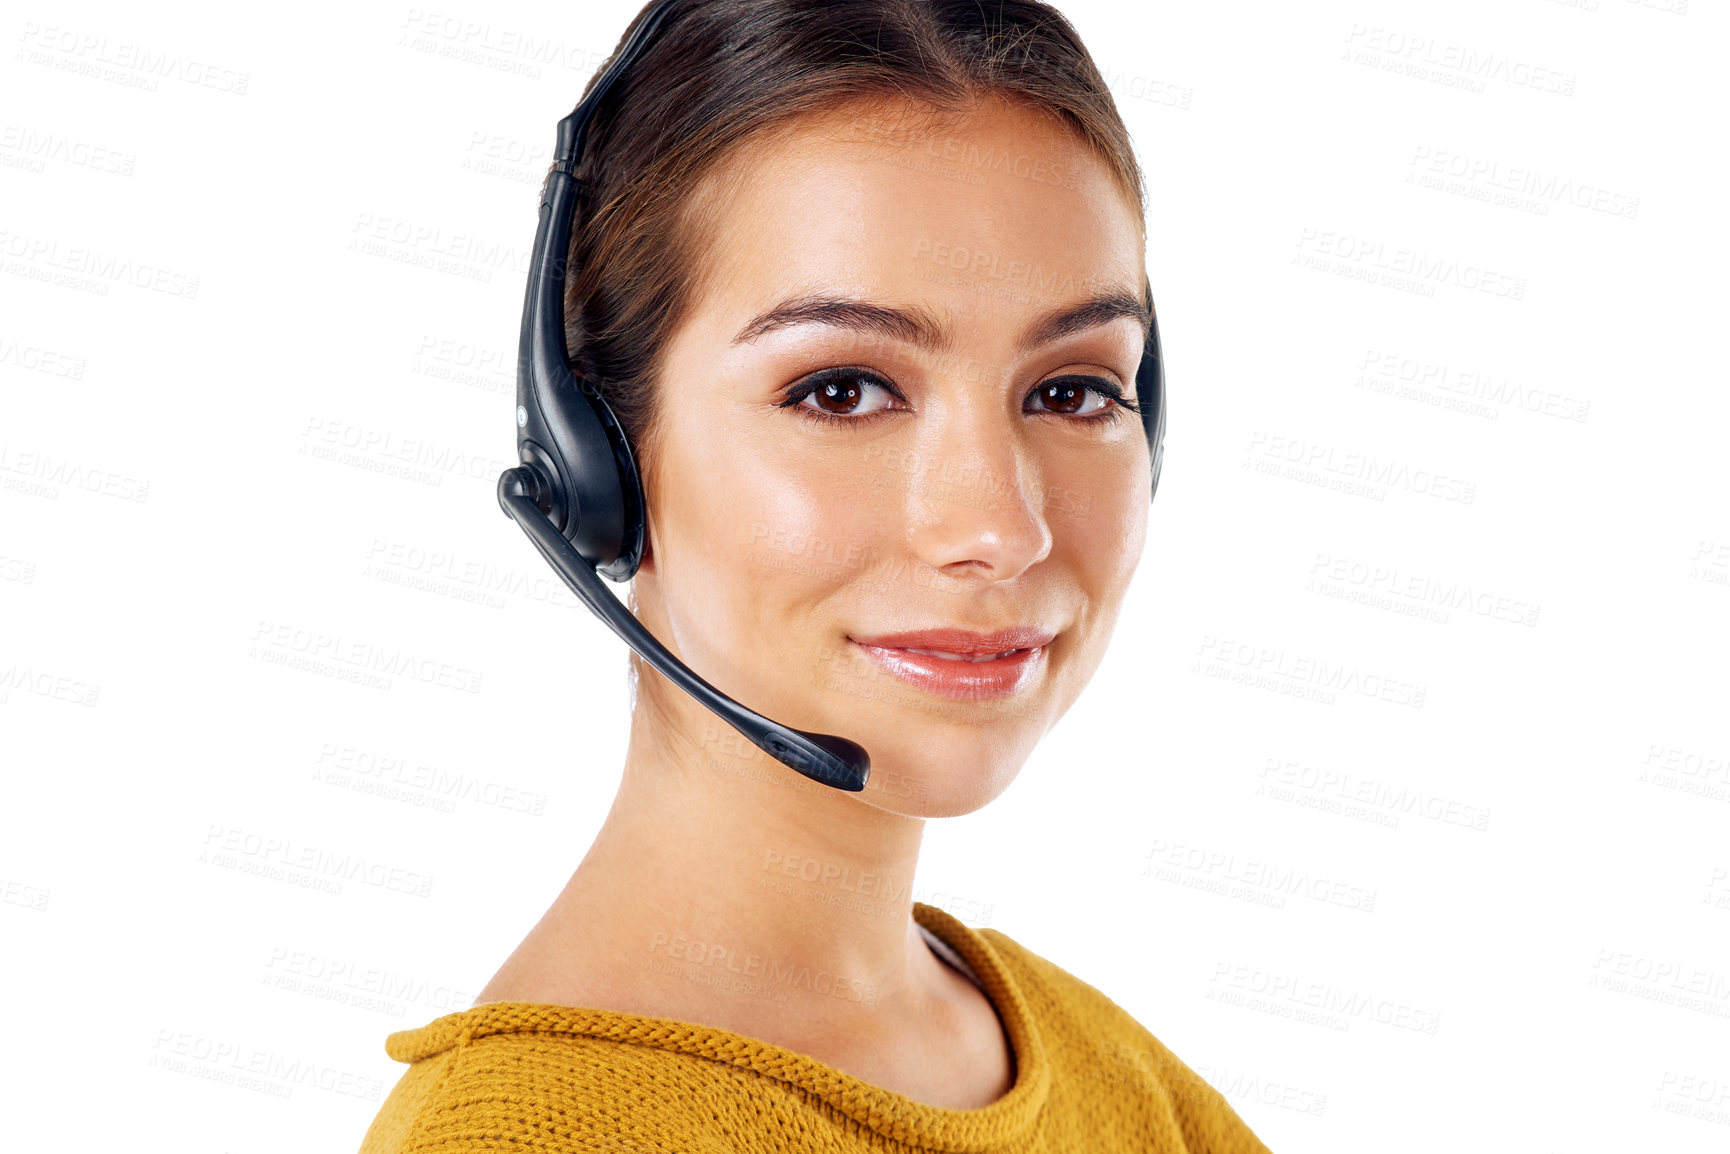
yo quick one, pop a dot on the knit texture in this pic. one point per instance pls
(527, 1077)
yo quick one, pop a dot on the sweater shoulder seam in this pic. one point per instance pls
(430, 1103)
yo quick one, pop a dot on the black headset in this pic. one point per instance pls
(577, 493)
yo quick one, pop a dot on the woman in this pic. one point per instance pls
(863, 281)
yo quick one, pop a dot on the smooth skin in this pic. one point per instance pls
(974, 500)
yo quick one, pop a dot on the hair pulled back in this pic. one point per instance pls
(723, 72)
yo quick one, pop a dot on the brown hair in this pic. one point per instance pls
(721, 72)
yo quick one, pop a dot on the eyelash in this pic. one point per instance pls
(799, 391)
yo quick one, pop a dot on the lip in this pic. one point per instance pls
(965, 680)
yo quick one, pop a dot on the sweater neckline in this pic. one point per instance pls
(884, 1111)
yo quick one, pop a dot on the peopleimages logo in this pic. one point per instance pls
(121, 61)
(1258, 882)
(248, 1067)
(1282, 993)
(757, 971)
(1297, 458)
(1387, 586)
(1369, 259)
(989, 265)
(22, 147)
(284, 859)
(1470, 390)
(42, 475)
(1488, 174)
(44, 683)
(36, 359)
(519, 51)
(320, 652)
(913, 142)
(1299, 675)
(89, 269)
(1457, 64)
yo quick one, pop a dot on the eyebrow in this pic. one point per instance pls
(919, 327)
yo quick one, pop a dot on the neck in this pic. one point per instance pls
(725, 881)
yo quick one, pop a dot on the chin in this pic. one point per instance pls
(938, 778)
(931, 756)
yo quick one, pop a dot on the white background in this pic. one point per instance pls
(1507, 822)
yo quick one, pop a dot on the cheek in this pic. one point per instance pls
(1102, 540)
(1127, 526)
(760, 530)
(1099, 514)
(804, 537)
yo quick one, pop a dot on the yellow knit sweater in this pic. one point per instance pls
(520, 1076)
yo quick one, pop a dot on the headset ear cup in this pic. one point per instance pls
(570, 435)
(598, 472)
(633, 511)
(1150, 395)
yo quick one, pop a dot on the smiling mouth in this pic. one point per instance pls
(961, 676)
(959, 656)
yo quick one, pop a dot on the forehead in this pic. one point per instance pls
(995, 210)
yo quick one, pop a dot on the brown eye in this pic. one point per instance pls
(1072, 396)
(839, 394)
(1062, 397)
(842, 394)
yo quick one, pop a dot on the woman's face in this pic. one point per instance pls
(889, 412)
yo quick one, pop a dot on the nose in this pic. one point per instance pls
(973, 502)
